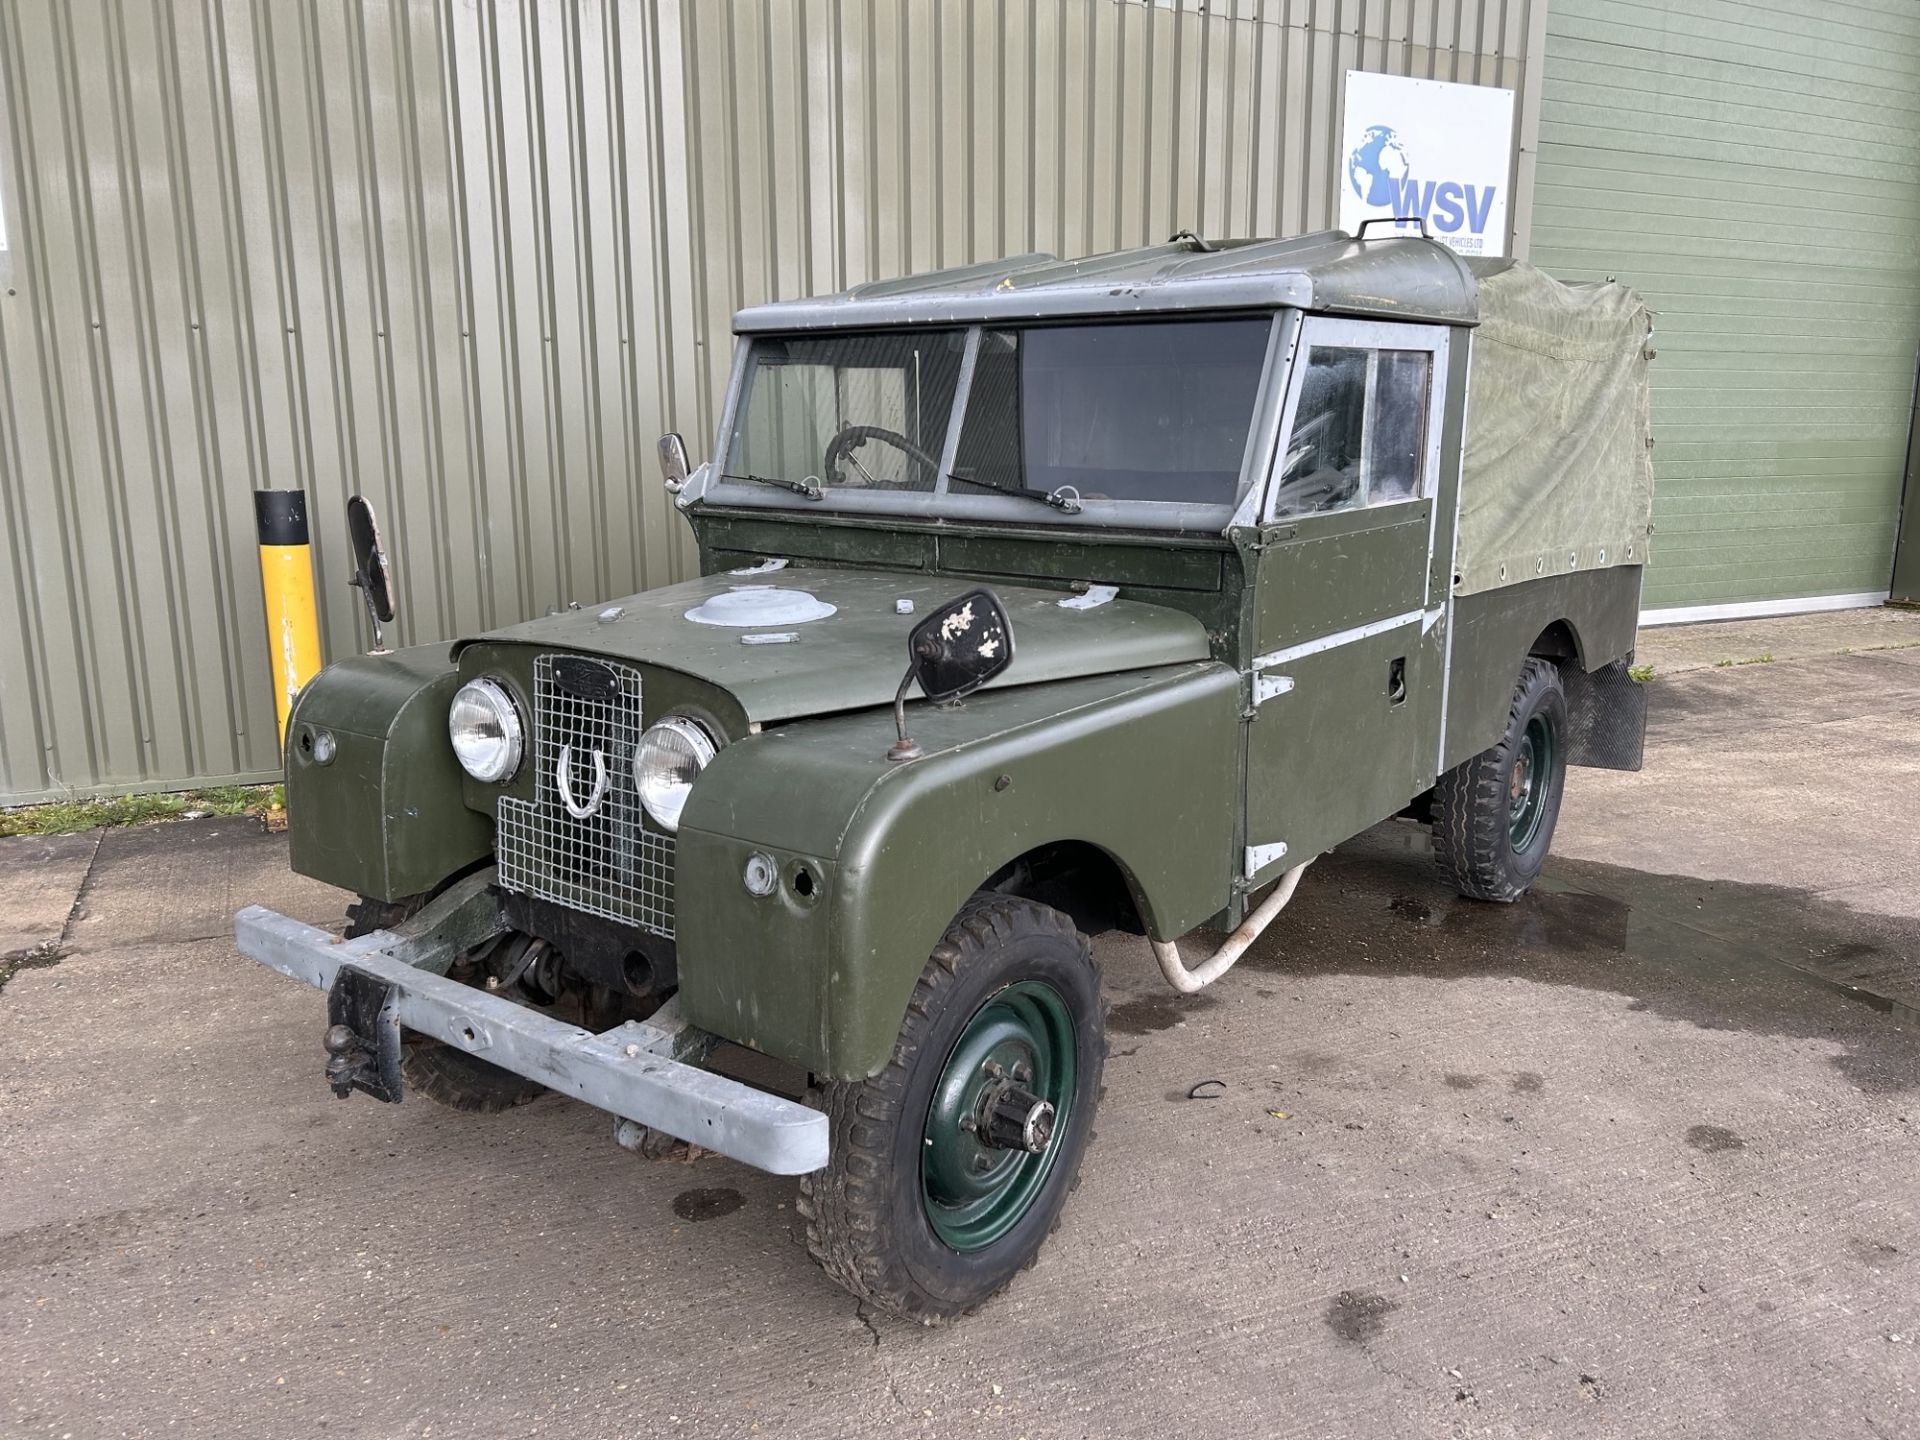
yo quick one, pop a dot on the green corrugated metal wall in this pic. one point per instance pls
(471, 256)
(1754, 168)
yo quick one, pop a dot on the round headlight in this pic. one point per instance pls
(669, 757)
(484, 725)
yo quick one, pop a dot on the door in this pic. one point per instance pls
(1349, 616)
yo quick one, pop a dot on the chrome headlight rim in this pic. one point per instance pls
(664, 802)
(499, 704)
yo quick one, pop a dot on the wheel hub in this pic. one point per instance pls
(1013, 1118)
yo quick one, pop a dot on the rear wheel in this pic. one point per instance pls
(948, 1170)
(1493, 815)
(443, 1074)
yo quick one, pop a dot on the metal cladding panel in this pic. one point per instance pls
(469, 259)
(1755, 172)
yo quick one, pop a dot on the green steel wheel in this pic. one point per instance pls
(1006, 1088)
(948, 1170)
(1528, 781)
(1493, 815)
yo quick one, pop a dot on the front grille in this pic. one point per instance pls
(613, 862)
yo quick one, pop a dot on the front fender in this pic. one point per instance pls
(1143, 765)
(385, 817)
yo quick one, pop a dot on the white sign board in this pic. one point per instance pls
(1431, 149)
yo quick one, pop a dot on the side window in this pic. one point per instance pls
(1360, 431)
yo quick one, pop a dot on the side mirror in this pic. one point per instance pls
(673, 461)
(371, 575)
(952, 653)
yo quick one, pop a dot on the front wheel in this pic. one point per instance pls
(949, 1169)
(1493, 815)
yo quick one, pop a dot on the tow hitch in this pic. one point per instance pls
(363, 1035)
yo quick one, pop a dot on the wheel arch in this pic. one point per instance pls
(1559, 642)
(1083, 879)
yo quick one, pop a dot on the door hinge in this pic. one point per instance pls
(1261, 856)
(1265, 687)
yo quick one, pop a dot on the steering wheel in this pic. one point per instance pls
(842, 446)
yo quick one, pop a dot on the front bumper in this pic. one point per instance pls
(628, 1071)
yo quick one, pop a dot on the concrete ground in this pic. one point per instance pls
(1636, 1156)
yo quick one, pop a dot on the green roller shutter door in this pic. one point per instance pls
(1754, 168)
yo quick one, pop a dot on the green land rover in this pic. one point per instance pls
(1037, 598)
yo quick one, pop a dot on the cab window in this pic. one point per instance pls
(1359, 434)
(1149, 410)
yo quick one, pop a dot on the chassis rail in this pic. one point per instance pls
(629, 1071)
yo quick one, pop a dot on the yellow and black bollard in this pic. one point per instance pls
(286, 579)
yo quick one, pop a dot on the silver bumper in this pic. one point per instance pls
(628, 1071)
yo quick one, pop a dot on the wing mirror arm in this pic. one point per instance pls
(361, 583)
(906, 747)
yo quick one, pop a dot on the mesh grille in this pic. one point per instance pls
(614, 862)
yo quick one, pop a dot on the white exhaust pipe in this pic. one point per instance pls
(1186, 981)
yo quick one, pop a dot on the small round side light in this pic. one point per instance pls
(322, 747)
(760, 875)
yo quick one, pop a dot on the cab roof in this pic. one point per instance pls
(1388, 278)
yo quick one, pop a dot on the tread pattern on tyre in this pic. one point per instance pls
(443, 1074)
(1470, 803)
(847, 1207)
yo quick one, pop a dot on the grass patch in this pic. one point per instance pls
(1642, 673)
(1766, 659)
(64, 817)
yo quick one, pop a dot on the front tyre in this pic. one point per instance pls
(949, 1169)
(1493, 815)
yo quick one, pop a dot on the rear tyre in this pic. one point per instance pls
(948, 1170)
(1493, 815)
(443, 1074)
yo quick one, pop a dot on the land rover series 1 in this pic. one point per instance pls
(1037, 598)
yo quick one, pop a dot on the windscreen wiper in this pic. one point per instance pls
(809, 487)
(1064, 498)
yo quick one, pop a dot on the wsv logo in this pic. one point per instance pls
(1381, 174)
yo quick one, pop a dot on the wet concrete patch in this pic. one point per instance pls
(1715, 954)
(705, 1204)
(1527, 1082)
(1415, 912)
(1456, 1080)
(1714, 1139)
(1358, 1315)
(1145, 1014)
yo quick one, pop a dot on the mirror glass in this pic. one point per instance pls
(369, 560)
(673, 461)
(961, 646)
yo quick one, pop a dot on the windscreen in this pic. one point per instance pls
(1155, 411)
(864, 412)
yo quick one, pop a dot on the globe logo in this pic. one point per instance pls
(1378, 166)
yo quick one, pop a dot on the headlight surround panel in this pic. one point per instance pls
(487, 731)
(669, 758)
